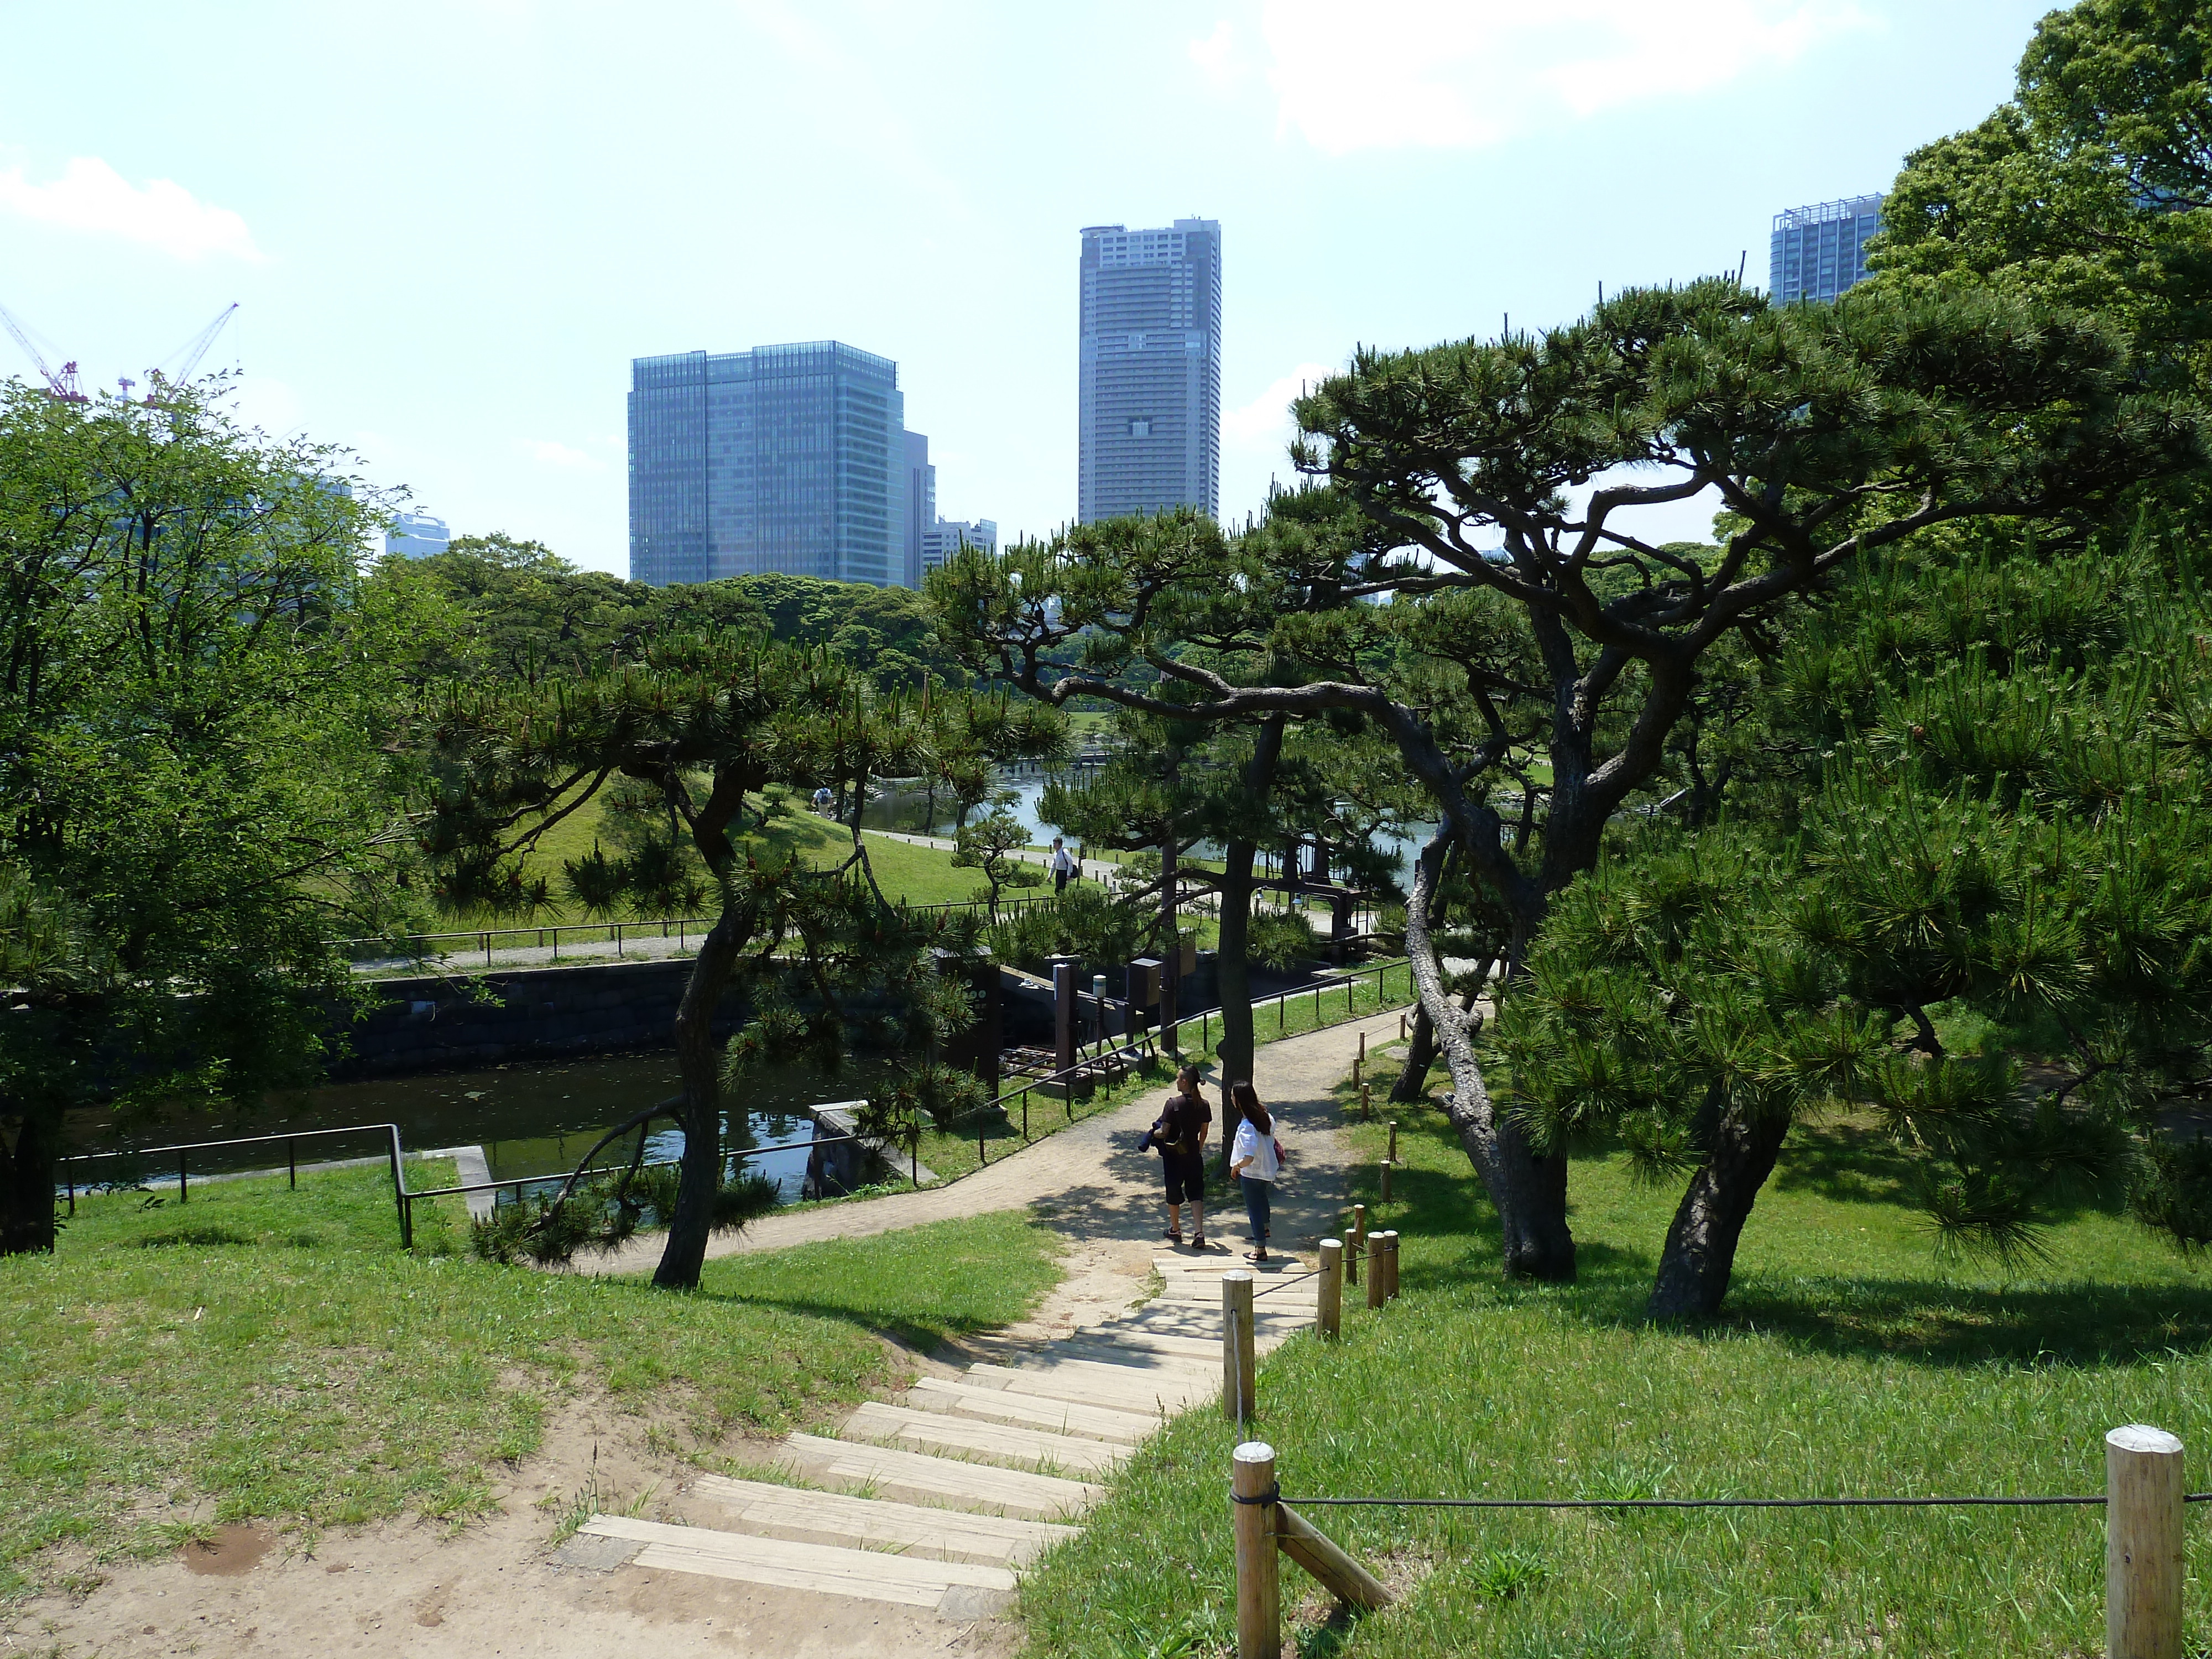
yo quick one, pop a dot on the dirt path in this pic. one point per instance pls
(430, 1591)
(1090, 1181)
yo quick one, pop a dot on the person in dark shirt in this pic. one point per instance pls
(1180, 1136)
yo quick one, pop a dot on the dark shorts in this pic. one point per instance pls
(1186, 1173)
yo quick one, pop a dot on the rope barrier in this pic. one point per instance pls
(1699, 1503)
(1284, 1283)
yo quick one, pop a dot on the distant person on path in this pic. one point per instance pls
(1062, 865)
(1180, 1139)
(1256, 1161)
(823, 800)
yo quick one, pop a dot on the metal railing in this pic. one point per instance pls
(291, 1141)
(409, 947)
(404, 1197)
(1148, 1042)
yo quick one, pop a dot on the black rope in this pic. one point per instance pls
(1272, 1495)
(1283, 1283)
(1697, 1503)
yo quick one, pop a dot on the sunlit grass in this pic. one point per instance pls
(1850, 1361)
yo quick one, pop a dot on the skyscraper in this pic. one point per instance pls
(416, 535)
(1818, 252)
(784, 457)
(943, 539)
(1149, 391)
(920, 503)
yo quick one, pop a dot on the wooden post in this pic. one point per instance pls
(1362, 1061)
(1343, 1578)
(1329, 1316)
(1367, 1100)
(1392, 1155)
(1259, 1606)
(1385, 1197)
(2143, 1544)
(1390, 1242)
(1239, 1371)
(1376, 1284)
(1356, 1244)
(1402, 1028)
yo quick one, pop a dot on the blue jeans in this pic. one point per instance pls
(1256, 1195)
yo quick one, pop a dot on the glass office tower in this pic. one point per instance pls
(1818, 252)
(786, 458)
(1149, 386)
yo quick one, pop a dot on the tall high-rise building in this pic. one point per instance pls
(943, 539)
(1149, 391)
(784, 457)
(416, 535)
(920, 503)
(1820, 251)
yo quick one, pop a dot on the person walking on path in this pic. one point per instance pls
(1063, 866)
(1256, 1161)
(1180, 1136)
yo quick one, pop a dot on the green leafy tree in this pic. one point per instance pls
(1504, 484)
(196, 795)
(990, 844)
(1998, 826)
(710, 722)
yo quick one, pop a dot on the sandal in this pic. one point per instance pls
(1260, 1254)
(1197, 1240)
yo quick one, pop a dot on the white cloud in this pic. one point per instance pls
(91, 195)
(1460, 74)
(550, 451)
(1264, 423)
(1217, 56)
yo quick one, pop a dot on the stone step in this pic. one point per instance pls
(912, 1476)
(867, 1575)
(913, 1530)
(960, 1396)
(1135, 1356)
(1121, 1387)
(1145, 1339)
(974, 1437)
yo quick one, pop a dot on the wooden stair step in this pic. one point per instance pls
(974, 1437)
(959, 1395)
(915, 1531)
(1136, 1357)
(1122, 1387)
(1144, 1339)
(868, 1574)
(983, 1487)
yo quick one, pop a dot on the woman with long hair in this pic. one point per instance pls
(1253, 1160)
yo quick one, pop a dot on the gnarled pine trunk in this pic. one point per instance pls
(1527, 1185)
(30, 1143)
(1695, 1267)
(700, 1179)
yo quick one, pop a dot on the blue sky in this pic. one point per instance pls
(451, 226)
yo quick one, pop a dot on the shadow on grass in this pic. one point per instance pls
(923, 1335)
(1925, 1321)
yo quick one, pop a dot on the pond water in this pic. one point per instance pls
(530, 1119)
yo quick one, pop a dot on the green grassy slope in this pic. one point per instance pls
(264, 1352)
(1850, 1361)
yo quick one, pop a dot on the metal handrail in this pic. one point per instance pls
(291, 1138)
(1149, 1043)
(620, 932)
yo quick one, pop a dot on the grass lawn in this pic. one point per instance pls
(264, 1352)
(1850, 1361)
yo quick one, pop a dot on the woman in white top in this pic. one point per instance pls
(1253, 1160)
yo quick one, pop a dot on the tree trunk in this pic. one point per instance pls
(1528, 1187)
(1700, 1254)
(701, 1115)
(1232, 957)
(1420, 1054)
(27, 1181)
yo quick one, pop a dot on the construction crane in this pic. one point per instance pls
(187, 357)
(61, 386)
